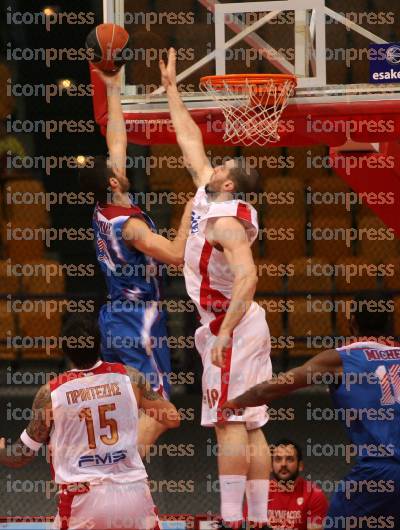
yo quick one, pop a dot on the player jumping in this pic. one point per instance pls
(233, 340)
(368, 395)
(129, 251)
(88, 416)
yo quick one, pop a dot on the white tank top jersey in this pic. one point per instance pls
(95, 422)
(207, 273)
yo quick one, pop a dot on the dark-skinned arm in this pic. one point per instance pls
(19, 454)
(327, 362)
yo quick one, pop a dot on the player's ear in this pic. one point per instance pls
(228, 185)
(113, 181)
(301, 466)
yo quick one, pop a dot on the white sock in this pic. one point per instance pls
(257, 500)
(232, 489)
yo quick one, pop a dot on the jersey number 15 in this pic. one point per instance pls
(109, 439)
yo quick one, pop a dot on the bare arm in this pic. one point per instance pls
(188, 134)
(152, 403)
(116, 127)
(18, 454)
(139, 235)
(327, 362)
(230, 235)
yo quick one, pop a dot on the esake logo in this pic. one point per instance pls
(102, 460)
(384, 61)
(393, 55)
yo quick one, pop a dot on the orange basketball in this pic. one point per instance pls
(108, 45)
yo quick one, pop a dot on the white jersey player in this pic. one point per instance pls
(233, 339)
(209, 281)
(88, 417)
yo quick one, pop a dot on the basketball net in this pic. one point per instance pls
(252, 111)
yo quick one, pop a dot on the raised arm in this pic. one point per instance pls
(138, 234)
(22, 452)
(327, 362)
(116, 127)
(229, 234)
(152, 403)
(188, 134)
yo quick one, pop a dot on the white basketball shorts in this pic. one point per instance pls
(248, 363)
(110, 506)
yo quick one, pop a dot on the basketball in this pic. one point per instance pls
(108, 44)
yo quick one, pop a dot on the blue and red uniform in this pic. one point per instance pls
(370, 395)
(132, 323)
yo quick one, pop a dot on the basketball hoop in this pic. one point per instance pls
(252, 104)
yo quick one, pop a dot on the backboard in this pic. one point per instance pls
(326, 49)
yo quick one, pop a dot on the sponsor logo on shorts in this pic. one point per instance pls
(102, 460)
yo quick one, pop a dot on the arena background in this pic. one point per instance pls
(285, 291)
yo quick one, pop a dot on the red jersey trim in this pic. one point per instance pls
(65, 501)
(225, 378)
(212, 300)
(378, 340)
(103, 368)
(215, 302)
(110, 211)
(65, 509)
(243, 212)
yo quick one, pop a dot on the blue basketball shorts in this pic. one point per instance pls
(368, 497)
(137, 336)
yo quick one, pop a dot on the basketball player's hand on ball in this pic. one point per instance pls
(113, 80)
(168, 71)
(219, 349)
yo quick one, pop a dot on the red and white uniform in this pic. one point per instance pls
(94, 455)
(209, 282)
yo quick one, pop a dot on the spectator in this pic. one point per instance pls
(294, 503)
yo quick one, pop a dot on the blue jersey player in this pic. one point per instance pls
(130, 254)
(367, 394)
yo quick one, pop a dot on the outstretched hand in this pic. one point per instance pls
(168, 71)
(111, 80)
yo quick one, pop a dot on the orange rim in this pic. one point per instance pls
(240, 80)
